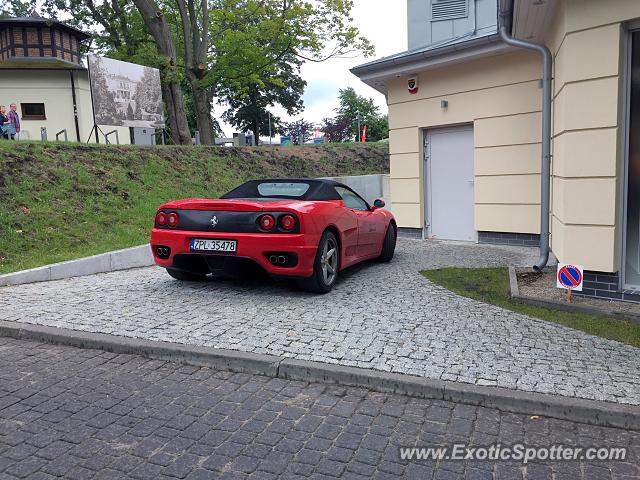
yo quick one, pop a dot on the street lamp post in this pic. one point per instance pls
(358, 135)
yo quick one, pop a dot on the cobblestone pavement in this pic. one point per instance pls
(81, 414)
(380, 316)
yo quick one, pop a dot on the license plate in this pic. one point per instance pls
(207, 245)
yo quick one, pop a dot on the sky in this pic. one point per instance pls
(384, 23)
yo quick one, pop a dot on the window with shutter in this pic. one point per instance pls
(448, 9)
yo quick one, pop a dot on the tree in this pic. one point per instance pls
(351, 103)
(195, 29)
(377, 128)
(18, 8)
(191, 113)
(249, 104)
(354, 107)
(300, 131)
(157, 25)
(257, 48)
(252, 116)
(337, 130)
(116, 26)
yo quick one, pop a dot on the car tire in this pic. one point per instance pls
(325, 265)
(186, 276)
(389, 244)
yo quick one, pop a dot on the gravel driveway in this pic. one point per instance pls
(380, 316)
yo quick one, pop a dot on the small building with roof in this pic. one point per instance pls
(42, 72)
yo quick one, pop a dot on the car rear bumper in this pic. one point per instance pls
(253, 246)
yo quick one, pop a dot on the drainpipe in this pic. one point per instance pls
(546, 136)
(75, 105)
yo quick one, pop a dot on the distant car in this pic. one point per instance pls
(292, 228)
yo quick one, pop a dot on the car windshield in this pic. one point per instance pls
(276, 189)
(283, 189)
(261, 199)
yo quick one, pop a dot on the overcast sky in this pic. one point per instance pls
(384, 23)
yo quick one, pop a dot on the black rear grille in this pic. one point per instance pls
(225, 221)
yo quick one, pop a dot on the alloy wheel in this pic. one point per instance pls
(329, 261)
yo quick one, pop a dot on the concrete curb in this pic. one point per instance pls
(574, 409)
(579, 410)
(190, 354)
(140, 256)
(516, 295)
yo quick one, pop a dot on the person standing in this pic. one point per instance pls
(14, 121)
(4, 120)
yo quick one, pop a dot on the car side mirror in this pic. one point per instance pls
(378, 203)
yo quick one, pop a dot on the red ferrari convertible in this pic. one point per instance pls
(293, 228)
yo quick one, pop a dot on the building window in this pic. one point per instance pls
(33, 111)
(448, 9)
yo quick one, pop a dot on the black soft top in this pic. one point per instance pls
(319, 189)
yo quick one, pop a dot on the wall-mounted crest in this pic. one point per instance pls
(412, 85)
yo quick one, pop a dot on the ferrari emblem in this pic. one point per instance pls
(214, 221)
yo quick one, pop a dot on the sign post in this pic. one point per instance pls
(570, 278)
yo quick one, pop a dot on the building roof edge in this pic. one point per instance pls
(414, 56)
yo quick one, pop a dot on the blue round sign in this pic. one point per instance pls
(569, 277)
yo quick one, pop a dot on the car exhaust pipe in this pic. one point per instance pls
(282, 259)
(273, 259)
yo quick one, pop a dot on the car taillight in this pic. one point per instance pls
(267, 222)
(173, 219)
(287, 222)
(161, 219)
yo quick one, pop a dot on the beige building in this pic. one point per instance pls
(465, 118)
(42, 72)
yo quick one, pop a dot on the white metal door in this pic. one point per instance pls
(449, 183)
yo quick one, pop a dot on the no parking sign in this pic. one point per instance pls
(569, 277)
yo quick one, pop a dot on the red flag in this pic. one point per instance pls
(364, 134)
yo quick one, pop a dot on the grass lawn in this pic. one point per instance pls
(491, 285)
